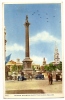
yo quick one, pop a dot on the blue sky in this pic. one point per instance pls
(44, 31)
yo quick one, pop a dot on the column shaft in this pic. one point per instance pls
(26, 40)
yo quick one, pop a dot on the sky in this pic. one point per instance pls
(44, 31)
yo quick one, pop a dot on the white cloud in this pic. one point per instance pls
(37, 59)
(15, 47)
(43, 36)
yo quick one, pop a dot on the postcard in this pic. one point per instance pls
(33, 50)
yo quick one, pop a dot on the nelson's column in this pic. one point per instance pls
(27, 61)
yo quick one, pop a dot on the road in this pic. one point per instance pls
(33, 84)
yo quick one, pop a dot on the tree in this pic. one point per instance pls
(50, 67)
(46, 68)
(54, 67)
(14, 68)
(20, 68)
(33, 67)
(59, 66)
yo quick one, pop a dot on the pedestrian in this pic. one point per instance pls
(31, 77)
(51, 79)
(19, 76)
(13, 75)
(22, 76)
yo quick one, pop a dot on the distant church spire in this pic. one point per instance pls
(44, 61)
(56, 55)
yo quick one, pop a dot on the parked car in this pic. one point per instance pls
(40, 76)
(58, 77)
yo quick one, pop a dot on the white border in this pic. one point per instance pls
(1, 37)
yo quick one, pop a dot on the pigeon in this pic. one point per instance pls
(53, 16)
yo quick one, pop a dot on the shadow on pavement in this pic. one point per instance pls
(36, 91)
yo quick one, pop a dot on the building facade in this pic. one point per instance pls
(56, 56)
(44, 62)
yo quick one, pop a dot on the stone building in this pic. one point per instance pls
(42, 67)
(56, 56)
(11, 63)
(9, 66)
(44, 62)
(36, 66)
